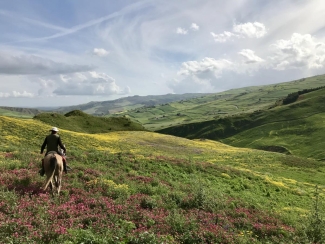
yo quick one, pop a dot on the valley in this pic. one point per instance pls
(244, 177)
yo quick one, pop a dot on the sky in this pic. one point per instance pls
(62, 53)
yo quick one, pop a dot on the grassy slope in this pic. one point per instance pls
(232, 102)
(81, 122)
(297, 127)
(182, 175)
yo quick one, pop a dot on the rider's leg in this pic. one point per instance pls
(64, 160)
(42, 171)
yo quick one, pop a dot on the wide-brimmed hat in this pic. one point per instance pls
(54, 129)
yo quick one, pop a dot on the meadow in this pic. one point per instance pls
(296, 128)
(144, 187)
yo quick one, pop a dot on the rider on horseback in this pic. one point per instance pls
(52, 143)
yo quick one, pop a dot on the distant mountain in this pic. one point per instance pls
(47, 108)
(127, 103)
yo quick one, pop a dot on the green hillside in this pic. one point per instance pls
(144, 187)
(219, 105)
(296, 128)
(81, 122)
(300, 127)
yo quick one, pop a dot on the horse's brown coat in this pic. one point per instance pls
(53, 174)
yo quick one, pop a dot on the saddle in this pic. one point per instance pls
(58, 153)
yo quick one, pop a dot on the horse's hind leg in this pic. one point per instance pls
(59, 182)
(56, 181)
(47, 182)
(51, 187)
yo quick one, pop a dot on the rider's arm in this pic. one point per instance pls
(61, 145)
(43, 146)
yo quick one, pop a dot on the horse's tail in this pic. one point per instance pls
(53, 162)
(53, 165)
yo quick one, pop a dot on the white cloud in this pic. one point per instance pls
(16, 94)
(211, 75)
(100, 52)
(249, 56)
(199, 76)
(206, 65)
(47, 85)
(31, 64)
(223, 37)
(22, 94)
(300, 51)
(126, 90)
(76, 76)
(90, 83)
(246, 30)
(195, 27)
(99, 77)
(181, 31)
(79, 84)
(4, 94)
(65, 78)
(250, 30)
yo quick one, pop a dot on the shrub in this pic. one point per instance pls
(315, 229)
(85, 237)
(150, 238)
(148, 203)
(179, 223)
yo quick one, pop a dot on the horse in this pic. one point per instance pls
(53, 166)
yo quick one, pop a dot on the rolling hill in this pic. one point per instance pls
(145, 187)
(79, 121)
(101, 108)
(219, 105)
(296, 128)
(19, 112)
(162, 111)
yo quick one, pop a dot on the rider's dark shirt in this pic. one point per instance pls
(51, 143)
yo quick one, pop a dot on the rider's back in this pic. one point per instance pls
(52, 142)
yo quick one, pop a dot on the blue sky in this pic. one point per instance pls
(60, 53)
